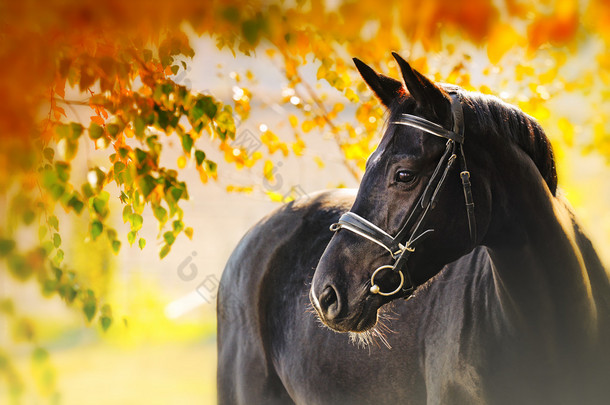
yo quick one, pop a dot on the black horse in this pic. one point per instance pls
(506, 300)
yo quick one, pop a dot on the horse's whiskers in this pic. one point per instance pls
(373, 335)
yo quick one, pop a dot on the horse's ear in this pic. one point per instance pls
(384, 87)
(423, 90)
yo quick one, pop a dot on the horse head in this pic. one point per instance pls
(414, 211)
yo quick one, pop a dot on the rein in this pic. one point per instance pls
(403, 244)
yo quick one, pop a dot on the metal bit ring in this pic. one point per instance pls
(375, 288)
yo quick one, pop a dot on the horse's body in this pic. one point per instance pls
(447, 348)
(524, 318)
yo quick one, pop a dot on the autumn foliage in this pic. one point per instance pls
(119, 58)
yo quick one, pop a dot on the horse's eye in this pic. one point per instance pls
(404, 176)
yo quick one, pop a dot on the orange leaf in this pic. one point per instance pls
(61, 111)
(97, 119)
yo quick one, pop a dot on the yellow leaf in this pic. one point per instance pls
(319, 162)
(298, 146)
(351, 95)
(501, 40)
(268, 170)
(294, 121)
(307, 126)
(128, 132)
(275, 197)
(181, 162)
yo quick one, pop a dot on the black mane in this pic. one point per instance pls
(508, 121)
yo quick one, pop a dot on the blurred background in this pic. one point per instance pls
(87, 318)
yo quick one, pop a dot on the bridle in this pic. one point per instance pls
(403, 244)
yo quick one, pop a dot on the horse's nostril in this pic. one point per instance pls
(329, 302)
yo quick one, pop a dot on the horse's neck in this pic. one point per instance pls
(541, 274)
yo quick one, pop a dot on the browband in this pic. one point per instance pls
(457, 114)
(429, 127)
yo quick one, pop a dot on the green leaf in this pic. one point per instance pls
(187, 143)
(209, 107)
(123, 152)
(176, 193)
(116, 246)
(89, 307)
(42, 232)
(111, 233)
(105, 322)
(76, 130)
(113, 130)
(19, 267)
(95, 131)
(127, 213)
(231, 14)
(40, 355)
(6, 246)
(63, 171)
(47, 246)
(178, 226)
(87, 190)
(131, 237)
(211, 166)
(63, 130)
(56, 240)
(49, 287)
(199, 157)
(54, 222)
(119, 167)
(142, 243)
(28, 217)
(169, 237)
(160, 214)
(104, 196)
(96, 229)
(59, 257)
(250, 29)
(146, 185)
(57, 191)
(99, 205)
(139, 125)
(76, 204)
(141, 155)
(164, 251)
(136, 222)
(163, 118)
